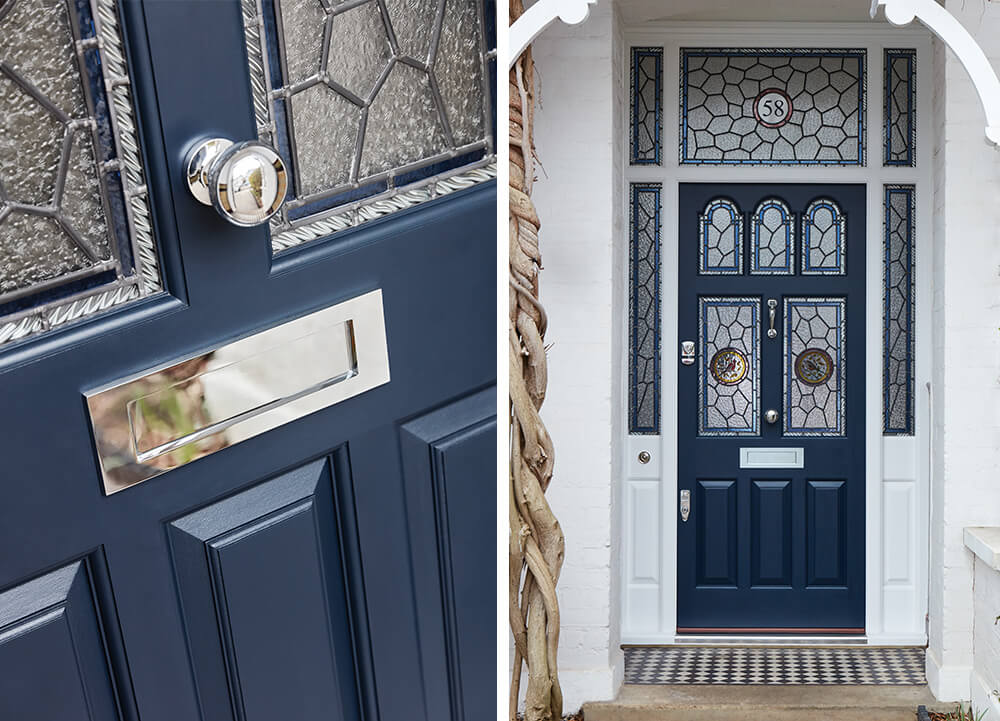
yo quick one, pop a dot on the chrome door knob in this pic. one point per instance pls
(771, 416)
(246, 182)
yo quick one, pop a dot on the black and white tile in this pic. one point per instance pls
(724, 665)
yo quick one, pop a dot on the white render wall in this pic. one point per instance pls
(577, 195)
(965, 472)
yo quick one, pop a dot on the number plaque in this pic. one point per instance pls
(773, 108)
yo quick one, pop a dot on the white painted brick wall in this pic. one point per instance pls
(986, 665)
(580, 179)
(966, 376)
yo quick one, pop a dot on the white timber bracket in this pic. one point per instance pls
(943, 24)
(539, 16)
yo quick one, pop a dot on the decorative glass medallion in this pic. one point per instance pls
(898, 310)
(647, 79)
(377, 105)
(824, 239)
(900, 141)
(729, 377)
(733, 109)
(720, 242)
(729, 366)
(771, 231)
(76, 236)
(814, 372)
(644, 310)
(813, 366)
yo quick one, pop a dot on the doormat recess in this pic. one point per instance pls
(770, 666)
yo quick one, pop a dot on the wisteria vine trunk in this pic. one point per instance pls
(536, 540)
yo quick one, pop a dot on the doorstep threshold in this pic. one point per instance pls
(768, 640)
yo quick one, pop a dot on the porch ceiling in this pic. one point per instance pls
(634, 12)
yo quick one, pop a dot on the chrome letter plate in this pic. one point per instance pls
(772, 457)
(174, 414)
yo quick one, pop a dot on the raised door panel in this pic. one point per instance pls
(57, 661)
(449, 471)
(266, 604)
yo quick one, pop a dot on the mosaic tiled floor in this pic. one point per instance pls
(774, 666)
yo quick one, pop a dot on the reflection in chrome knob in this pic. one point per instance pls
(245, 182)
(771, 416)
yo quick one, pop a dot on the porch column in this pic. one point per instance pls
(965, 472)
(579, 135)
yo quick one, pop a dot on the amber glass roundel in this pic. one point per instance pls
(729, 366)
(814, 366)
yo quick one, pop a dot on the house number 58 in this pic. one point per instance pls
(773, 108)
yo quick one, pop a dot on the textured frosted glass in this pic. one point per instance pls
(34, 249)
(644, 310)
(459, 72)
(30, 146)
(303, 48)
(413, 23)
(327, 125)
(359, 49)
(41, 51)
(814, 393)
(729, 405)
(403, 123)
(81, 205)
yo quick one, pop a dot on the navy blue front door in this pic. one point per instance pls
(771, 423)
(337, 567)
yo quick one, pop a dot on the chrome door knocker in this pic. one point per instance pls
(772, 304)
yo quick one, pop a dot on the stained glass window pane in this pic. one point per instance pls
(376, 105)
(898, 310)
(647, 103)
(772, 250)
(729, 377)
(900, 141)
(75, 231)
(824, 239)
(644, 310)
(772, 107)
(720, 239)
(814, 375)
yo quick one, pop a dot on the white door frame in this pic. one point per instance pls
(897, 468)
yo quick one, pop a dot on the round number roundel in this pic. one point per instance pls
(814, 366)
(773, 108)
(728, 366)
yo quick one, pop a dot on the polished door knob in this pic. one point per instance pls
(246, 182)
(771, 416)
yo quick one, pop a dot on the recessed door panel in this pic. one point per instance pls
(772, 294)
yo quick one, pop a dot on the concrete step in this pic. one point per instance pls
(764, 703)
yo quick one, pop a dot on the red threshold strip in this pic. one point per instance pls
(782, 631)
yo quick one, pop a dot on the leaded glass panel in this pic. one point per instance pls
(824, 239)
(772, 107)
(75, 232)
(720, 239)
(772, 233)
(729, 377)
(644, 310)
(900, 137)
(814, 373)
(898, 310)
(376, 105)
(647, 103)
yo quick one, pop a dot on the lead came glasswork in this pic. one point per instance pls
(644, 310)
(729, 378)
(376, 105)
(647, 103)
(824, 239)
(772, 232)
(724, 97)
(898, 310)
(75, 232)
(720, 239)
(900, 137)
(814, 373)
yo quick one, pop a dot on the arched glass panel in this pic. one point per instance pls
(824, 237)
(771, 233)
(720, 231)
